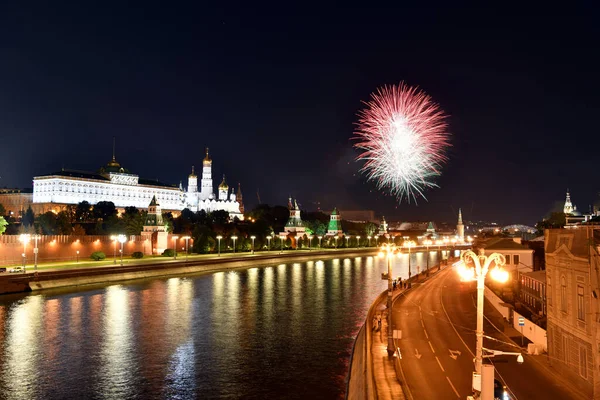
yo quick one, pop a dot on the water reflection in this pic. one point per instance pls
(283, 331)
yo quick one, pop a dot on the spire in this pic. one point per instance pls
(568, 208)
(460, 217)
(224, 185)
(239, 192)
(114, 143)
(290, 207)
(153, 202)
(113, 162)
(207, 159)
(296, 205)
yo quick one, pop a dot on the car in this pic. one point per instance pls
(2, 269)
(500, 391)
(17, 269)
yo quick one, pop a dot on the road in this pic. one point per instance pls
(438, 319)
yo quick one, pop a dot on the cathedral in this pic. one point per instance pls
(204, 198)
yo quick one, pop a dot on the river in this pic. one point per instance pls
(279, 331)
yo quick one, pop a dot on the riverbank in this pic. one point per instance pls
(77, 277)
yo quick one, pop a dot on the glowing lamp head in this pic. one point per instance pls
(252, 237)
(122, 238)
(499, 275)
(380, 254)
(270, 237)
(24, 238)
(221, 237)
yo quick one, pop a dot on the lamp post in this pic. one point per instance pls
(321, 238)
(35, 253)
(175, 246)
(114, 239)
(310, 238)
(347, 238)
(187, 238)
(389, 250)
(269, 242)
(281, 249)
(369, 239)
(122, 239)
(478, 272)
(77, 256)
(234, 238)
(427, 243)
(24, 238)
(358, 242)
(252, 237)
(219, 246)
(409, 244)
(336, 239)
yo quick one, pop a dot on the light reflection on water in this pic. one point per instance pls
(283, 331)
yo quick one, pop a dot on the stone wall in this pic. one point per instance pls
(65, 247)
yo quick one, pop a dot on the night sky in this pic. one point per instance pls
(273, 91)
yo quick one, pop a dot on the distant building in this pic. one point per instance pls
(572, 215)
(154, 229)
(573, 288)
(294, 224)
(360, 216)
(460, 228)
(519, 258)
(16, 201)
(383, 227)
(335, 224)
(532, 291)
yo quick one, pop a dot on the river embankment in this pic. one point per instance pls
(28, 282)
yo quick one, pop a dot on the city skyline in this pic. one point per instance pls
(274, 94)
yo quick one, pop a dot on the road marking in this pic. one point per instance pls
(440, 364)
(417, 354)
(431, 347)
(453, 388)
(422, 324)
(454, 353)
(426, 335)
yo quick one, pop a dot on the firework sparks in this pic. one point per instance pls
(403, 136)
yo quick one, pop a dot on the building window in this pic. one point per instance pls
(507, 257)
(563, 294)
(583, 362)
(549, 290)
(566, 349)
(580, 304)
(516, 259)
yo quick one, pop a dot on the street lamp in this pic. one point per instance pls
(187, 238)
(252, 237)
(321, 238)
(269, 242)
(35, 253)
(347, 238)
(114, 239)
(234, 238)
(409, 244)
(369, 239)
(24, 238)
(478, 272)
(281, 239)
(175, 246)
(336, 239)
(122, 239)
(427, 243)
(219, 241)
(358, 242)
(389, 250)
(310, 238)
(77, 255)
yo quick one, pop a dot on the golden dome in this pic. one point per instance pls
(193, 175)
(207, 159)
(223, 184)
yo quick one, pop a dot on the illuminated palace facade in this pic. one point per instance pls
(116, 184)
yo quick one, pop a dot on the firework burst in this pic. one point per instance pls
(403, 137)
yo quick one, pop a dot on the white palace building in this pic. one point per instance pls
(116, 184)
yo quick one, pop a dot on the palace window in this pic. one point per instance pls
(516, 259)
(563, 294)
(507, 257)
(580, 304)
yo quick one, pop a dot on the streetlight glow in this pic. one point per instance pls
(252, 237)
(219, 240)
(122, 239)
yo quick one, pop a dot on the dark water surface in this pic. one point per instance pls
(283, 331)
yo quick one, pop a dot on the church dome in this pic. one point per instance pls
(223, 185)
(192, 175)
(207, 160)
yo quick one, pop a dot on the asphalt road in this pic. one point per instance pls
(438, 320)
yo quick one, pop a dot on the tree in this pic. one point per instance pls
(370, 228)
(3, 225)
(219, 217)
(28, 218)
(78, 230)
(556, 220)
(63, 223)
(47, 223)
(168, 221)
(83, 212)
(133, 221)
(2, 210)
(103, 210)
